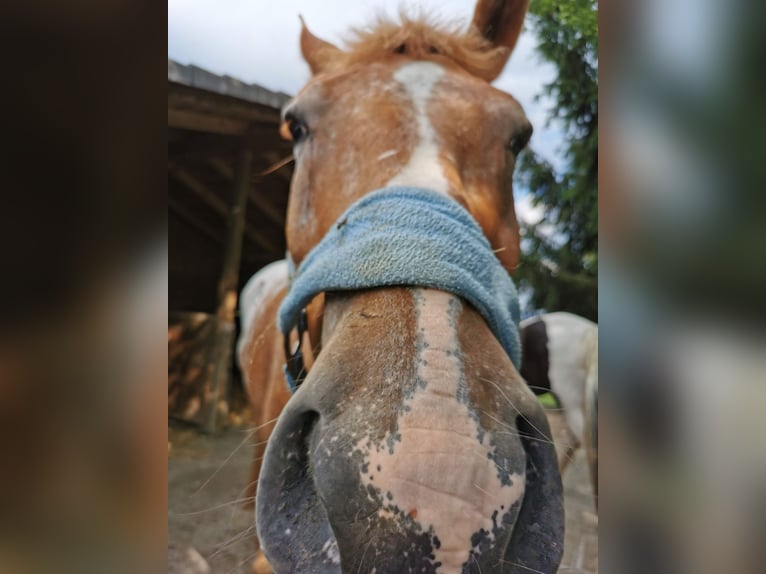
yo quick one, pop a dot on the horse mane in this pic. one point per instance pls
(422, 36)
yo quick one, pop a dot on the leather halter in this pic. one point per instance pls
(294, 368)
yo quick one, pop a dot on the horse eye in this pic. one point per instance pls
(400, 49)
(298, 129)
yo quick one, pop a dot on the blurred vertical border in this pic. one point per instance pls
(681, 286)
(84, 287)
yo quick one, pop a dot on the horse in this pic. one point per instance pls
(560, 356)
(410, 441)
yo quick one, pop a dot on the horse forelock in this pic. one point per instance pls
(423, 37)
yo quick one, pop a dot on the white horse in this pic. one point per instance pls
(560, 356)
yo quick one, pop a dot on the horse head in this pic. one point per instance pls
(413, 444)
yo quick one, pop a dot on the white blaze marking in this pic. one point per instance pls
(440, 470)
(423, 169)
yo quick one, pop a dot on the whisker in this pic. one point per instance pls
(259, 443)
(558, 444)
(242, 443)
(268, 422)
(366, 548)
(248, 558)
(213, 508)
(494, 384)
(482, 490)
(513, 432)
(532, 438)
(250, 530)
(275, 166)
(521, 566)
(228, 458)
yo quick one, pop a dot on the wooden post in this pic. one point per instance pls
(223, 336)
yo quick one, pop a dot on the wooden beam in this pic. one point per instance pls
(201, 122)
(199, 145)
(223, 168)
(215, 203)
(198, 188)
(191, 218)
(228, 285)
(202, 101)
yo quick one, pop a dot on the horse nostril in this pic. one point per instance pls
(291, 521)
(296, 448)
(542, 496)
(529, 433)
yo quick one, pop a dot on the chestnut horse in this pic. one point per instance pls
(413, 443)
(560, 356)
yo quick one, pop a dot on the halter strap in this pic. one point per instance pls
(294, 369)
(405, 236)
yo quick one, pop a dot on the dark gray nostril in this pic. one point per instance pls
(295, 449)
(539, 533)
(292, 524)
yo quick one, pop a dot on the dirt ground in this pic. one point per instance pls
(208, 530)
(210, 533)
(581, 530)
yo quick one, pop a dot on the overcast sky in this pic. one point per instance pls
(257, 41)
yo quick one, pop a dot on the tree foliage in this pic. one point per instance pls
(559, 262)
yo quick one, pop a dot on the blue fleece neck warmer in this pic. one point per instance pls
(409, 236)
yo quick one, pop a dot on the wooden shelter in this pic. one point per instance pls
(225, 220)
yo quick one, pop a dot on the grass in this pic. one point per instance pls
(549, 401)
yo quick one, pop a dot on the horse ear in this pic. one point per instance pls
(500, 22)
(319, 55)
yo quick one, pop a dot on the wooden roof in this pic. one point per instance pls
(211, 119)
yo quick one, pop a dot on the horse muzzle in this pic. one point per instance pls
(410, 462)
